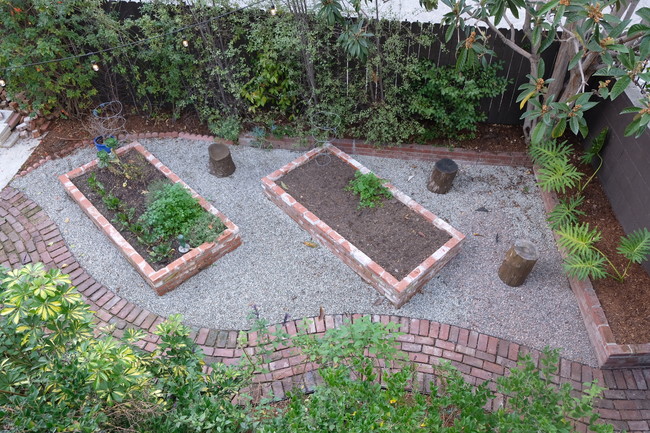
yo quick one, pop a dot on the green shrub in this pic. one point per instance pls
(56, 375)
(449, 98)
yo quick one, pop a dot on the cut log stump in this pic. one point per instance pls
(221, 163)
(518, 263)
(442, 176)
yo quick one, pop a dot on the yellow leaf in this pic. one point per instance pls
(310, 244)
(523, 101)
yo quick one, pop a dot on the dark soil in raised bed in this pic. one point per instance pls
(132, 192)
(393, 235)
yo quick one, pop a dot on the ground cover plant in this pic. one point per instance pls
(154, 215)
(60, 373)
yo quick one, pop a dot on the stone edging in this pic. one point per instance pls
(27, 235)
(608, 352)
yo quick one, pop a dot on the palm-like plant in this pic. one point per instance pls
(585, 260)
(566, 212)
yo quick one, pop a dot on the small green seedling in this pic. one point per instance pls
(369, 188)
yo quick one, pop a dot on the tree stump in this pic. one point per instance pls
(442, 176)
(221, 163)
(518, 263)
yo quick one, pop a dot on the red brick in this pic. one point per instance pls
(481, 374)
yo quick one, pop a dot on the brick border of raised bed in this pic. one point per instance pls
(397, 292)
(609, 353)
(181, 269)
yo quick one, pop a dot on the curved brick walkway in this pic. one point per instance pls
(28, 235)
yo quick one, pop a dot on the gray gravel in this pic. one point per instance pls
(274, 270)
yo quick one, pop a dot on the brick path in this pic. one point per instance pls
(28, 235)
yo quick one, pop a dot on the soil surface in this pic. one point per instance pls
(393, 235)
(132, 193)
(64, 134)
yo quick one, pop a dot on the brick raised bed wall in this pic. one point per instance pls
(398, 292)
(181, 269)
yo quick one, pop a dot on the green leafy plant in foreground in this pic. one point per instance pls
(62, 373)
(369, 188)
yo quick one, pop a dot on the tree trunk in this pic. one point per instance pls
(442, 176)
(518, 263)
(221, 163)
(565, 54)
(529, 122)
(299, 10)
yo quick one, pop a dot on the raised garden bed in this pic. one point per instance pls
(168, 274)
(396, 248)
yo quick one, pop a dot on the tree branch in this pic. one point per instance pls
(507, 41)
(512, 28)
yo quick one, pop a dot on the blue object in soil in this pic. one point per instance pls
(100, 146)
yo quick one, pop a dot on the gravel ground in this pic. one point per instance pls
(275, 271)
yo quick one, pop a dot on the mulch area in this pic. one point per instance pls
(392, 234)
(627, 304)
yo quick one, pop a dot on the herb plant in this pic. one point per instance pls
(161, 251)
(172, 211)
(369, 188)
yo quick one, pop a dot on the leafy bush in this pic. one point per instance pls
(172, 211)
(449, 98)
(352, 399)
(228, 128)
(57, 375)
(369, 188)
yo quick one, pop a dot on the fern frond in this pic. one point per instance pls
(589, 265)
(636, 246)
(546, 151)
(565, 212)
(578, 239)
(558, 175)
(596, 146)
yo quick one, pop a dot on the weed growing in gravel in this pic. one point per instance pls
(369, 188)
